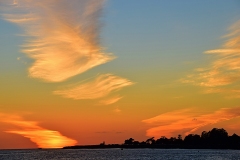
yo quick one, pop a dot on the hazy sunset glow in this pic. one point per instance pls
(187, 120)
(77, 72)
(42, 137)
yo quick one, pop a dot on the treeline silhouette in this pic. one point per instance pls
(214, 139)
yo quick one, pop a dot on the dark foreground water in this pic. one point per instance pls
(118, 154)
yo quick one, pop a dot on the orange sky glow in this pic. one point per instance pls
(43, 138)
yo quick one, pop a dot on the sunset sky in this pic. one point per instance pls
(87, 71)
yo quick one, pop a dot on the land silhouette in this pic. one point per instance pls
(214, 139)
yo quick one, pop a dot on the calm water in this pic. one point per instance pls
(112, 154)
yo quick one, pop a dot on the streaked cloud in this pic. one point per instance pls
(102, 86)
(43, 138)
(111, 100)
(187, 121)
(63, 36)
(169, 116)
(63, 41)
(224, 70)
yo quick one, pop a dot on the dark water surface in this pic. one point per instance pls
(118, 154)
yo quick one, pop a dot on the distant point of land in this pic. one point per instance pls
(214, 139)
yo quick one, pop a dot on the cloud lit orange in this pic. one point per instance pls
(102, 86)
(62, 37)
(111, 100)
(224, 69)
(187, 121)
(43, 138)
(63, 41)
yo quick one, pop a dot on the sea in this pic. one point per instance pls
(119, 154)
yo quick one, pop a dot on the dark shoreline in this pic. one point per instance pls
(113, 146)
(214, 139)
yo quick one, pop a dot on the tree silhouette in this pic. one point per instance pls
(218, 136)
(150, 141)
(129, 141)
(234, 141)
(192, 139)
(162, 140)
(180, 137)
(214, 139)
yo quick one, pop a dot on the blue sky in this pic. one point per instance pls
(165, 32)
(169, 31)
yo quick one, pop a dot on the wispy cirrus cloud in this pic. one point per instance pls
(63, 40)
(187, 121)
(43, 138)
(102, 86)
(111, 100)
(224, 70)
(63, 36)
